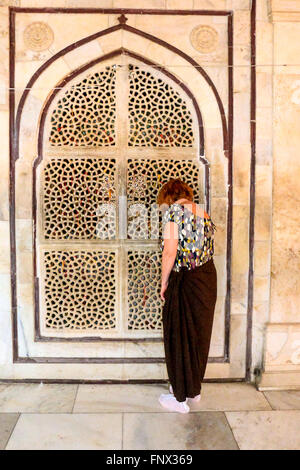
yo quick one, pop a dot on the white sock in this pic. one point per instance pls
(169, 401)
(195, 399)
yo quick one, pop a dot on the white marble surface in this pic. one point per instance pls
(67, 432)
(144, 398)
(284, 400)
(266, 430)
(231, 397)
(199, 431)
(119, 398)
(94, 420)
(36, 398)
(7, 424)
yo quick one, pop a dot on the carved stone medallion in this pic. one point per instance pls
(204, 38)
(38, 36)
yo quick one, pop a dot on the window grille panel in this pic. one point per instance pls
(158, 115)
(86, 114)
(144, 302)
(80, 290)
(111, 289)
(75, 191)
(145, 177)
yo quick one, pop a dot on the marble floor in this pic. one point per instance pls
(113, 417)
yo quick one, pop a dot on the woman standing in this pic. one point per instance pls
(189, 289)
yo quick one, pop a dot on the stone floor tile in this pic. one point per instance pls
(119, 398)
(284, 400)
(144, 398)
(230, 397)
(266, 430)
(7, 424)
(35, 398)
(67, 432)
(165, 431)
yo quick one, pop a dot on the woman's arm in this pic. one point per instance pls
(169, 254)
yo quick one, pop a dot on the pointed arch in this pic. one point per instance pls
(42, 126)
(98, 60)
(197, 67)
(107, 31)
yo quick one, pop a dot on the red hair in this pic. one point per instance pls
(173, 190)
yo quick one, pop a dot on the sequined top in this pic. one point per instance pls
(195, 236)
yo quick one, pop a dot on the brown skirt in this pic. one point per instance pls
(188, 314)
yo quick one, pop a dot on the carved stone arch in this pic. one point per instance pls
(47, 76)
(186, 155)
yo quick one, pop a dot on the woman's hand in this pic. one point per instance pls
(163, 289)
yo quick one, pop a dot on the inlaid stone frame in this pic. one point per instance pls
(215, 131)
